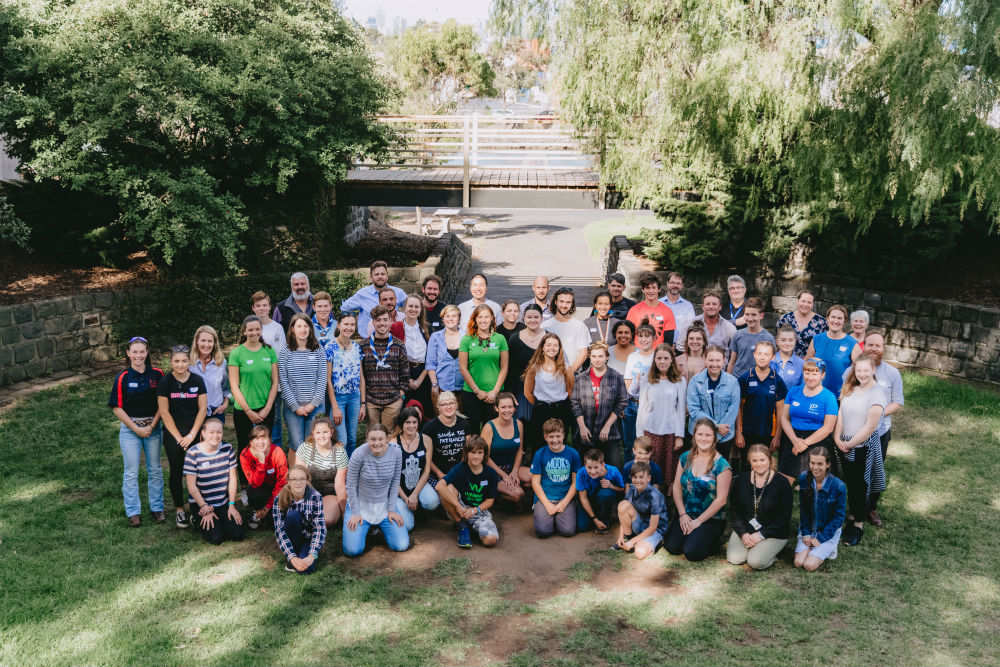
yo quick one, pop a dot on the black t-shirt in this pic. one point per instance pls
(433, 316)
(508, 333)
(182, 399)
(448, 441)
(135, 392)
(518, 358)
(473, 488)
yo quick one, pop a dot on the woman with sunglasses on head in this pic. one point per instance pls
(183, 404)
(207, 361)
(133, 401)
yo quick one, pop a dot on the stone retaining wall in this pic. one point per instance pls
(935, 334)
(45, 337)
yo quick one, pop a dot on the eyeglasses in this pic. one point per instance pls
(178, 349)
(138, 338)
(302, 480)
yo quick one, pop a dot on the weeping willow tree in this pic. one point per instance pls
(787, 120)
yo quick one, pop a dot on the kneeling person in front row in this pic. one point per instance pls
(210, 470)
(552, 478)
(822, 508)
(468, 491)
(600, 487)
(644, 511)
(299, 521)
(760, 506)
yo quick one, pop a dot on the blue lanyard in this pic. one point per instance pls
(380, 361)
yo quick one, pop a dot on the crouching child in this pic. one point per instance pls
(600, 487)
(643, 513)
(467, 493)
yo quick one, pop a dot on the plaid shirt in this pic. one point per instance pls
(613, 398)
(311, 507)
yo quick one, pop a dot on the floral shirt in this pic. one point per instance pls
(346, 367)
(700, 492)
(816, 326)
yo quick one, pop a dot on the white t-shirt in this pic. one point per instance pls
(574, 335)
(637, 364)
(273, 334)
(465, 312)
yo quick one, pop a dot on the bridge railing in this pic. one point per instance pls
(479, 142)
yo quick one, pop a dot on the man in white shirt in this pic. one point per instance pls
(367, 298)
(682, 308)
(477, 287)
(573, 333)
(541, 289)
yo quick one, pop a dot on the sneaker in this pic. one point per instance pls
(852, 539)
(182, 520)
(464, 538)
(602, 531)
(289, 568)
(253, 522)
(244, 498)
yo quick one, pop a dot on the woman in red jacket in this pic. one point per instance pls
(266, 469)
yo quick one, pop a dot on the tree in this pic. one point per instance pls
(794, 114)
(184, 110)
(437, 63)
(516, 65)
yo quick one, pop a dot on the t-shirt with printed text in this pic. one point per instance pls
(255, 374)
(473, 488)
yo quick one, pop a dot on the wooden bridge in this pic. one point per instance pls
(478, 160)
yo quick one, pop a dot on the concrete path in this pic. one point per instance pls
(514, 246)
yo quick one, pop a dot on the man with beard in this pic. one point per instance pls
(573, 333)
(682, 308)
(430, 291)
(620, 304)
(367, 297)
(541, 289)
(720, 330)
(299, 301)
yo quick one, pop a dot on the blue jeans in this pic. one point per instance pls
(132, 446)
(347, 429)
(276, 426)
(628, 430)
(396, 537)
(604, 502)
(301, 540)
(299, 427)
(427, 499)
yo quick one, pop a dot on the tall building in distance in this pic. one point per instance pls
(398, 25)
(380, 20)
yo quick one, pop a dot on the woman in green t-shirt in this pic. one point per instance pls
(482, 358)
(253, 379)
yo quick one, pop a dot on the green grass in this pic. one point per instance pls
(598, 233)
(79, 587)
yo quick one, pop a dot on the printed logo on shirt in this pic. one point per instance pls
(558, 469)
(249, 361)
(796, 403)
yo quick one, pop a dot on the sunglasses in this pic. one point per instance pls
(177, 349)
(139, 339)
(820, 364)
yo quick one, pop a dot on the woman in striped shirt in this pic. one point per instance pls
(302, 376)
(372, 488)
(210, 470)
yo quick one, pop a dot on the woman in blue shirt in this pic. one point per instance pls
(807, 420)
(835, 347)
(442, 355)
(347, 382)
(715, 394)
(822, 507)
(700, 491)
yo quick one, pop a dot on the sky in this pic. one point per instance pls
(467, 11)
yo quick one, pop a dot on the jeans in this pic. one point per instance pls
(223, 528)
(628, 428)
(299, 427)
(276, 425)
(132, 446)
(396, 537)
(427, 499)
(347, 429)
(300, 539)
(604, 502)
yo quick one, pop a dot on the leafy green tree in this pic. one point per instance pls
(185, 110)
(516, 65)
(437, 63)
(797, 114)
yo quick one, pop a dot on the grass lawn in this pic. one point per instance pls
(598, 233)
(80, 587)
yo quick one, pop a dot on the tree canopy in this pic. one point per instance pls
(181, 109)
(797, 114)
(436, 63)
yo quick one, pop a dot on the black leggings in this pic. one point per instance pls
(476, 411)
(175, 456)
(542, 412)
(697, 545)
(243, 425)
(222, 529)
(857, 487)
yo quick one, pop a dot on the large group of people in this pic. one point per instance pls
(672, 423)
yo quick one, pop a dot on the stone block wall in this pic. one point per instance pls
(58, 334)
(935, 334)
(357, 223)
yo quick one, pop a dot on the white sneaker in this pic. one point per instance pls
(244, 498)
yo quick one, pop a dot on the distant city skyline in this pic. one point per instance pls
(465, 11)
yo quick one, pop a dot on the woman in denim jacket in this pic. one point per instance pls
(715, 394)
(822, 508)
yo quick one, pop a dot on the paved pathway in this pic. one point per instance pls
(516, 245)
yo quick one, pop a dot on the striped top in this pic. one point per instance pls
(302, 377)
(373, 482)
(211, 472)
(335, 460)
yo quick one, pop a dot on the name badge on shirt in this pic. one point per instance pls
(133, 385)
(843, 348)
(754, 523)
(791, 371)
(312, 357)
(752, 384)
(711, 391)
(517, 441)
(193, 390)
(271, 471)
(795, 403)
(493, 346)
(420, 453)
(484, 482)
(593, 330)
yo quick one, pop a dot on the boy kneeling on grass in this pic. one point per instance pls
(467, 493)
(600, 487)
(644, 511)
(553, 471)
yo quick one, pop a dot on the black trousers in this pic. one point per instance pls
(476, 411)
(243, 425)
(224, 528)
(857, 487)
(259, 496)
(541, 413)
(697, 545)
(175, 456)
(873, 498)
